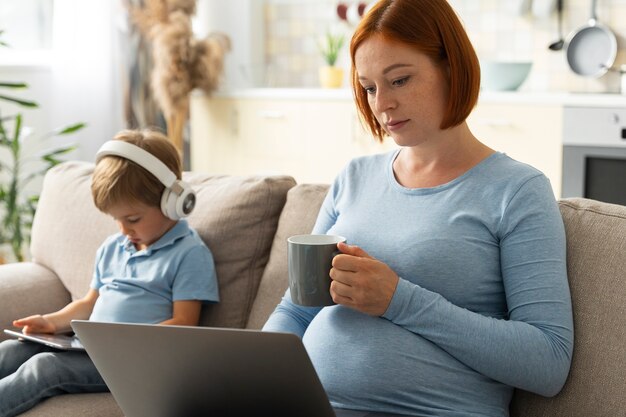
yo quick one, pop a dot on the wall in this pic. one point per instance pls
(293, 26)
(499, 34)
(243, 22)
(77, 82)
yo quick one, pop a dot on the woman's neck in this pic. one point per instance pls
(439, 161)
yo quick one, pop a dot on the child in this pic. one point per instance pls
(156, 270)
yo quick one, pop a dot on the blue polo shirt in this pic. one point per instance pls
(139, 286)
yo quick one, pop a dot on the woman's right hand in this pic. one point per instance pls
(361, 282)
(35, 324)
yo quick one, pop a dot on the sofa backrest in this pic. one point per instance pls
(596, 267)
(237, 219)
(68, 228)
(298, 217)
(235, 216)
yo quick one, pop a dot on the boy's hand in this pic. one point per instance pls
(35, 324)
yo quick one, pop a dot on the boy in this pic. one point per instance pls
(156, 270)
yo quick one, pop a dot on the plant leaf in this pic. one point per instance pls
(16, 211)
(3, 134)
(15, 143)
(58, 151)
(71, 129)
(8, 84)
(19, 101)
(331, 46)
(51, 156)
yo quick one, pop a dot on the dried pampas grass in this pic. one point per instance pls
(181, 62)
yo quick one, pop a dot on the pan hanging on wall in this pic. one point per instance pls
(591, 49)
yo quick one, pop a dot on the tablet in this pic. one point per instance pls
(57, 341)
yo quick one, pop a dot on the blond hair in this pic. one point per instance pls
(117, 180)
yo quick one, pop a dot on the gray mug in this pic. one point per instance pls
(310, 261)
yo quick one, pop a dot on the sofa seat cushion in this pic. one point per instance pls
(596, 267)
(68, 228)
(77, 405)
(235, 216)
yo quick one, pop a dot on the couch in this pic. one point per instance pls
(245, 221)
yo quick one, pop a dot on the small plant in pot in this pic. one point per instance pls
(17, 208)
(330, 46)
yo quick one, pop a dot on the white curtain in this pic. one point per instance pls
(86, 83)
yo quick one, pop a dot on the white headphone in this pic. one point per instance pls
(178, 199)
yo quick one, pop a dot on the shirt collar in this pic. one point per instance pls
(180, 230)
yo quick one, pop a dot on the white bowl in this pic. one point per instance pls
(503, 75)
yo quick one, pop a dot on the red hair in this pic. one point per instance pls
(433, 28)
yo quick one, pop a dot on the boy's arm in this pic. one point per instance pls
(59, 321)
(185, 313)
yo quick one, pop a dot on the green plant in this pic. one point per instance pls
(19, 169)
(330, 46)
(21, 102)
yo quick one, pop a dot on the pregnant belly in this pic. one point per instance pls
(369, 362)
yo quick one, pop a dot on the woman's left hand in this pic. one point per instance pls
(361, 282)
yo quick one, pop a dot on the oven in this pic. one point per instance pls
(594, 153)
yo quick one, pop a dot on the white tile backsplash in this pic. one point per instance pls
(292, 26)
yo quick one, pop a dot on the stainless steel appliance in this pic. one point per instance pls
(594, 153)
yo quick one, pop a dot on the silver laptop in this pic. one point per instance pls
(157, 371)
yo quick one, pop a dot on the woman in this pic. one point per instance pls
(453, 289)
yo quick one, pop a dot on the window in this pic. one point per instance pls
(26, 27)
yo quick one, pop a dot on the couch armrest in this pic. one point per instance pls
(28, 288)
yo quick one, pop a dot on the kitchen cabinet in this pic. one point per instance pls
(530, 133)
(309, 139)
(311, 134)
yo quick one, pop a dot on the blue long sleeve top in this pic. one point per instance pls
(482, 304)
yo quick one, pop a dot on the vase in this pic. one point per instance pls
(331, 77)
(6, 254)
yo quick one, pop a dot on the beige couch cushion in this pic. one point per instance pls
(27, 288)
(68, 228)
(298, 217)
(596, 264)
(235, 216)
(76, 405)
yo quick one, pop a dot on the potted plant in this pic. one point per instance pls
(331, 76)
(16, 207)
(17, 170)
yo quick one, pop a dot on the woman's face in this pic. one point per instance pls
(406, 90)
